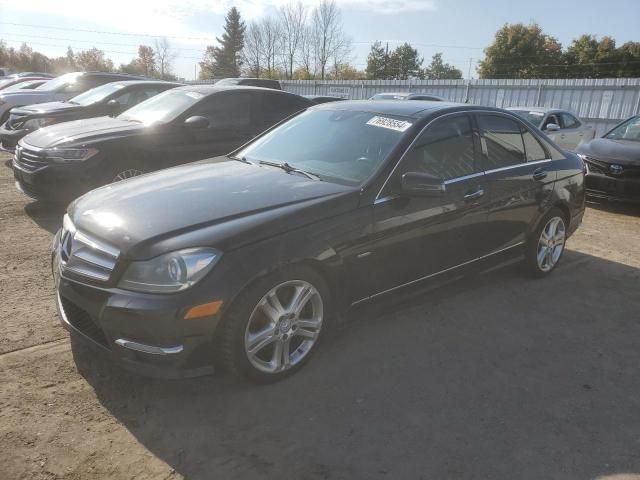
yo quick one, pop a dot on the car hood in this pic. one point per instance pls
(82, 132)
(625, 152)
(48, 108)
(224, 204)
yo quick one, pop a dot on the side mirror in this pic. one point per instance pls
(197, 122)
(552, 127)
(114, 106)
(416, 184)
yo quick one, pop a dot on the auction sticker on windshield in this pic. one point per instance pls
(390, 123)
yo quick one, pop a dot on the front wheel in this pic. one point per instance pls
(275, 325)
(546, 246)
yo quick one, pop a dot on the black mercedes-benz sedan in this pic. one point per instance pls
(249, 258)
(177, 126)
(107, 100)
(613, 163)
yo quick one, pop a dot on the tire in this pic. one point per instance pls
(122, 170)
(265, 340)
(546, 245)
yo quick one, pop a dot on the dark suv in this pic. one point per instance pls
(176, 126)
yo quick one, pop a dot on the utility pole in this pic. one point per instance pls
(386, 59)
(470, 62)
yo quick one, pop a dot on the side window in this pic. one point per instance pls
(276, 107)
(532, 147)
(569, 121)
(502, 144)
(444, 150)
(226, 110)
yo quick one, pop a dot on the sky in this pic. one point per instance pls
(460, 29)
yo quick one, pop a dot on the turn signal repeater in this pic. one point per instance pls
(204, 310)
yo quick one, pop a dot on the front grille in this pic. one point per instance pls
(82, 321)
(603, 167)
(86, 256)
(29, 159)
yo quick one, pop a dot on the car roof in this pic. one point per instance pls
(127, 83)
(210, 89)
(537, 109)
(415, 108)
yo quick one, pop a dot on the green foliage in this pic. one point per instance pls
(225, 60)
(438, 70)
(522, 51)
(401, 64)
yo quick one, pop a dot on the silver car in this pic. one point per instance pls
(564, 128)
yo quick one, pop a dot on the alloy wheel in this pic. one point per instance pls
(284, 326)
(551, 244)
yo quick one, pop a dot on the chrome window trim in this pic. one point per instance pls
(464, 177)
(467, 112)
(431, 275)
(518, 165)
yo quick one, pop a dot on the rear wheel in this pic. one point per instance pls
(122, 169)
(546, 245)
(275, 325)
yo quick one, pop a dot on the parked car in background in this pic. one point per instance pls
(35, 74)
(408, 96)
(250, 82)
(15, 80)
(177, 126)
(109, 99)
(26, 85)
(613, 163)
(60, 88)
(561, 126)
(323, 98)
(249, 260)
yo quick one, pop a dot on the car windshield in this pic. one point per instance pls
(96, 94)
(61, 81)
(6, 81)
(163, 107)
(341, 146)
(532, 117)
(23, 86)
(629, 130)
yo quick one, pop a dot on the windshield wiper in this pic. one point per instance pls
(289, 169)
(240, 159)
(72, 102)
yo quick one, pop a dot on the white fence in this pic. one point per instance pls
(599, 102)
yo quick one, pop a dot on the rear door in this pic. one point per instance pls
(519, 177)
(571, 132)
(414, 237)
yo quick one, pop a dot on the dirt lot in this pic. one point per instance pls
(492, 377)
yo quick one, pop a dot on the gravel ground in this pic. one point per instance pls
(492, 377)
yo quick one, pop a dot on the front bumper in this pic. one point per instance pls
(10, 138)
(606, 187)
(144, 333)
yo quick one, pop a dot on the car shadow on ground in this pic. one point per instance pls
(493, 376)
(46, 215)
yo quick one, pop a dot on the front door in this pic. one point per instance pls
(418, 236)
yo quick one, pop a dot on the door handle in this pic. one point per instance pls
(539, 174)
(474, 195)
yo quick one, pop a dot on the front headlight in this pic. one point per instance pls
(171, 272)
(64, 155)
(36, 123)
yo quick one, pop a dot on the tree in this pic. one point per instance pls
(630, 59)
(253, 50)
(345, 71)
(405, 63)
(164, 57)
(378, 62)
(93, 59)
(438, 70)
(330, 41)
(522, 51)
(271, 41)
(293, 18)
(306, 57)
(588, 57)
(226, 60)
